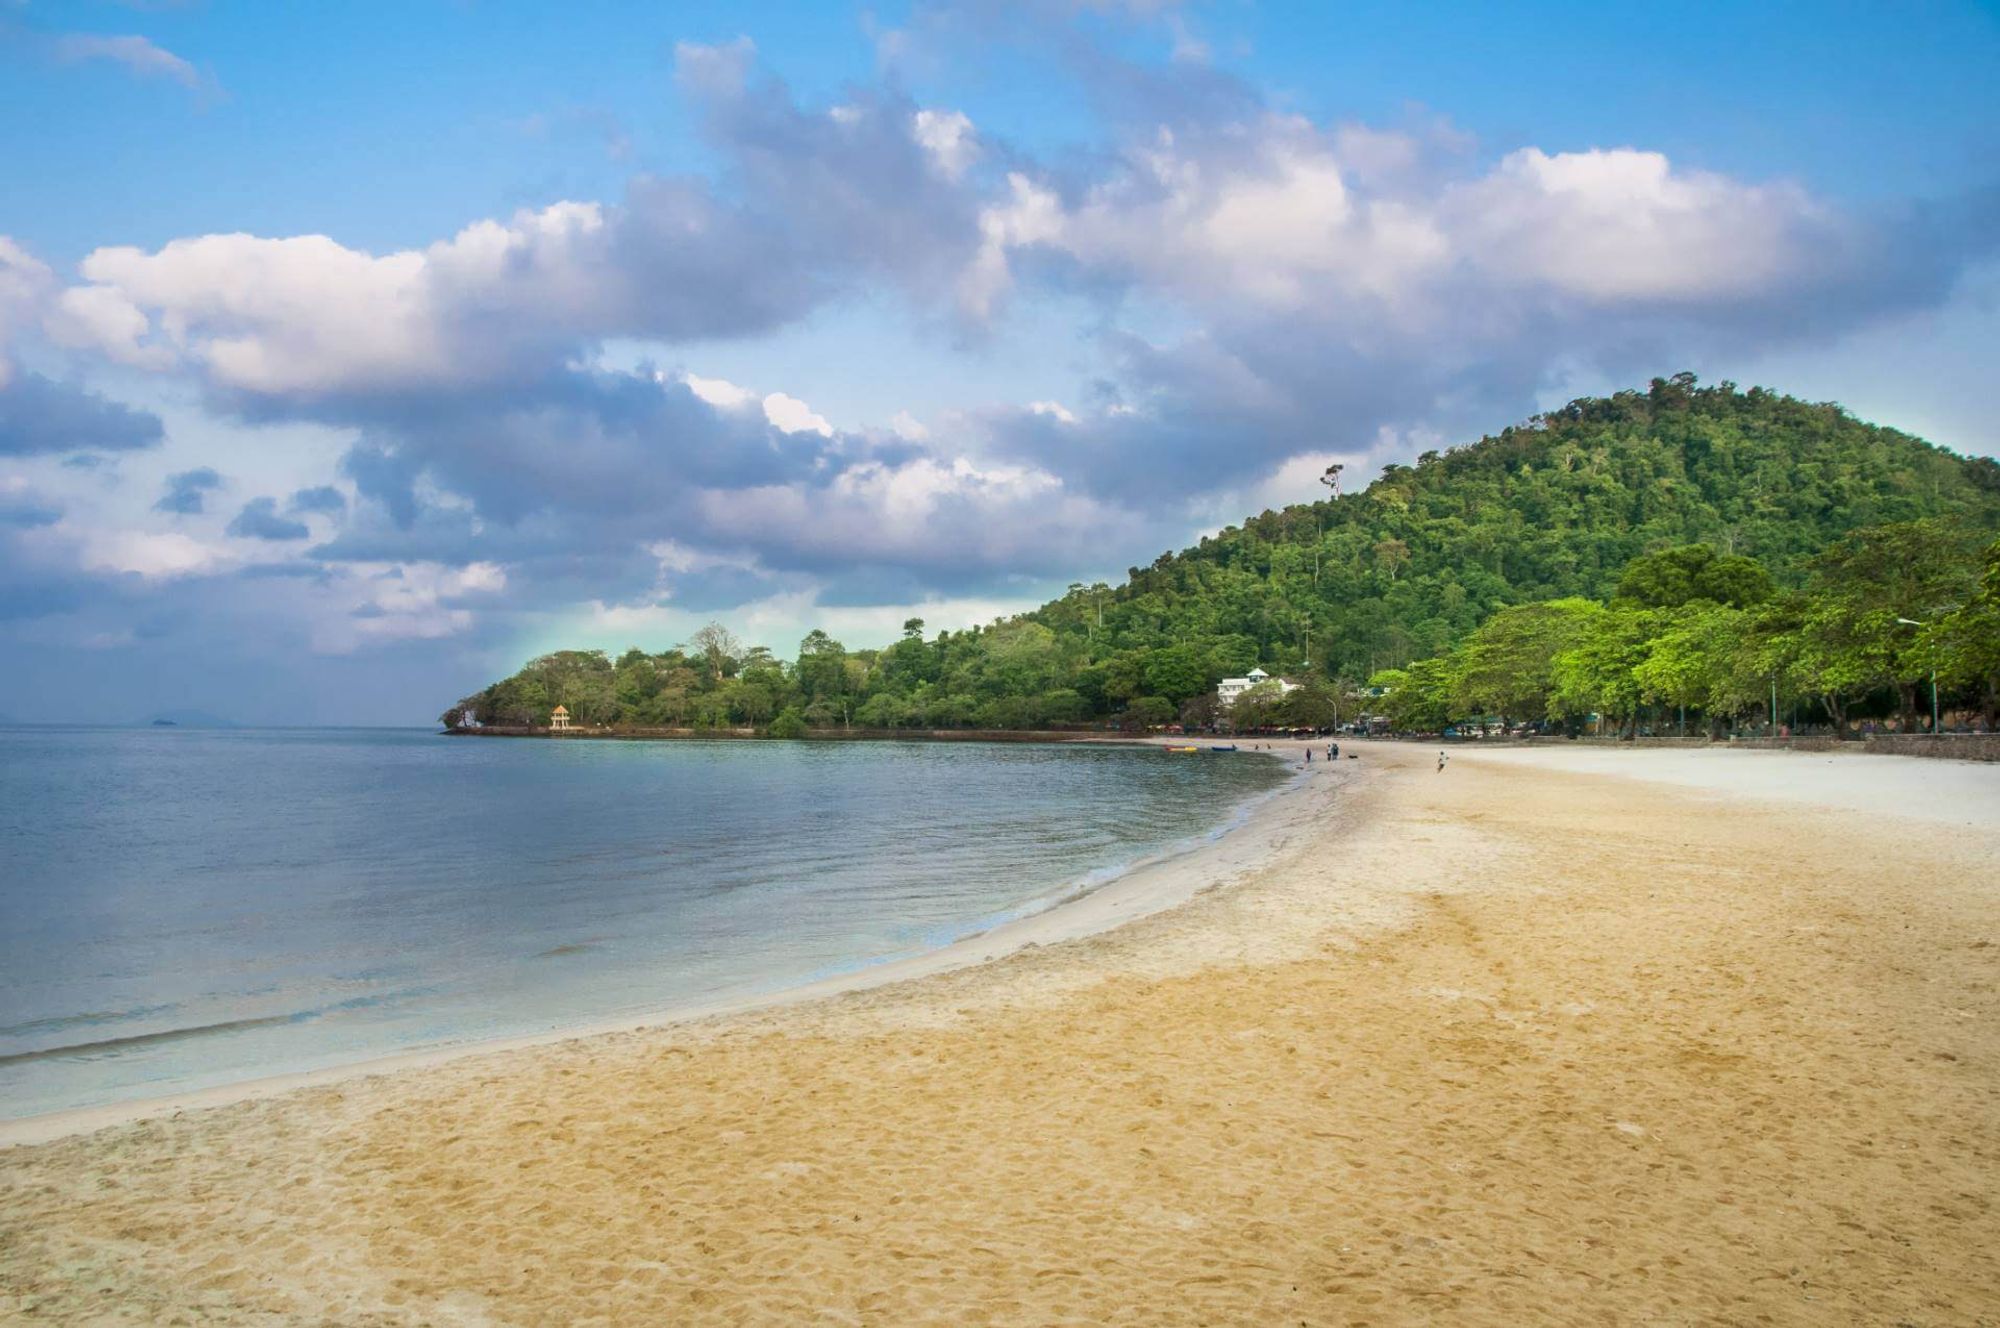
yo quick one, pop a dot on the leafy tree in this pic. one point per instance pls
(1176, 673)
(1673, 577)
(1596, 674)
(1148, 712)
(1508, 666)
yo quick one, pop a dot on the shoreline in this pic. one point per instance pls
(1496, 1044)
(1148, 886)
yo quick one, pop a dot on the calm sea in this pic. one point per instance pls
(184, 908)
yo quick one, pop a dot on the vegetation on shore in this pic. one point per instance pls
(1699, 634)
(1788, 531)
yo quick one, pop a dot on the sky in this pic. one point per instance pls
(351, 355)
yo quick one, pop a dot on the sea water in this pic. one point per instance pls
(185, 908)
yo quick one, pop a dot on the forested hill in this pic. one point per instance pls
(1331, 592)
(1551, 508)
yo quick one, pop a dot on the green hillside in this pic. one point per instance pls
(1333, 591)
(1552, 508)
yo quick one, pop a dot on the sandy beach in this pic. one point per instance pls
(1550, 1036)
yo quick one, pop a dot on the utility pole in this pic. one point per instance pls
(1912, 622)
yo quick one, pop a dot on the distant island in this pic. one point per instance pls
(185, 719)
(1734, 556)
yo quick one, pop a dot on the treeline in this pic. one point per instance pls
(1333, 592)
(1708, 640)
(1012, 675)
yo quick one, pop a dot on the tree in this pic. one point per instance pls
(1508, 666)
(789, 724)
(1851, 638)
(1964, 644)
(1673, 577)
(1595, 675)
(1176, 673)
(1417, 699)
(1694, 663)
(717, 647)
(1146, 712)
(822, 675)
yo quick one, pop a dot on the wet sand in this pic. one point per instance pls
(1505, 1044)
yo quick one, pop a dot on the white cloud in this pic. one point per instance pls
(1055, 410)
(103, 318)
(1030, 215)
(908, 427)
(308, 315)
(137, 54)
(1625, 225)
(719, 392)
(1279, 215)
(794, 416)
(408, 601)
(948, 136)
(781, 410)
(161, 555)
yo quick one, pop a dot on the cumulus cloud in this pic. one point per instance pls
(188, 490)
(1278, 215)
(404, 602)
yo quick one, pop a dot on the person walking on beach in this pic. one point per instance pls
(1442, 758)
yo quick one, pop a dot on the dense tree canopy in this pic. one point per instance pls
(1682, 514)
(1845, 640)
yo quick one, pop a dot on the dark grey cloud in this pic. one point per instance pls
(23, 510)
(187, 491)
(41, 416)
(259, 519)
(321, 500)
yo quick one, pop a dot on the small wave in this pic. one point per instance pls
(86, 1019)
(148, 1039)
(100, 1046)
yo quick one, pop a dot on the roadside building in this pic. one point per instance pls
(1229, 689)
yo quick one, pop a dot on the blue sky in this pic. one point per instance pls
(349, 354)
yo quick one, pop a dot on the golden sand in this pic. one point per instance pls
(1495, 1046)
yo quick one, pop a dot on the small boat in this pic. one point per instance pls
(1183, 749)
(1230, 748)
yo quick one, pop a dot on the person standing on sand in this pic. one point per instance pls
(1442, 758)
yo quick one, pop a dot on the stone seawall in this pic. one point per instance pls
(1954, 746)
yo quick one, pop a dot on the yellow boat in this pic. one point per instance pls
(1183, 749)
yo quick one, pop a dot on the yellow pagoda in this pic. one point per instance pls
(559, 718)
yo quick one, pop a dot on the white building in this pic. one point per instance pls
(1229, 689)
